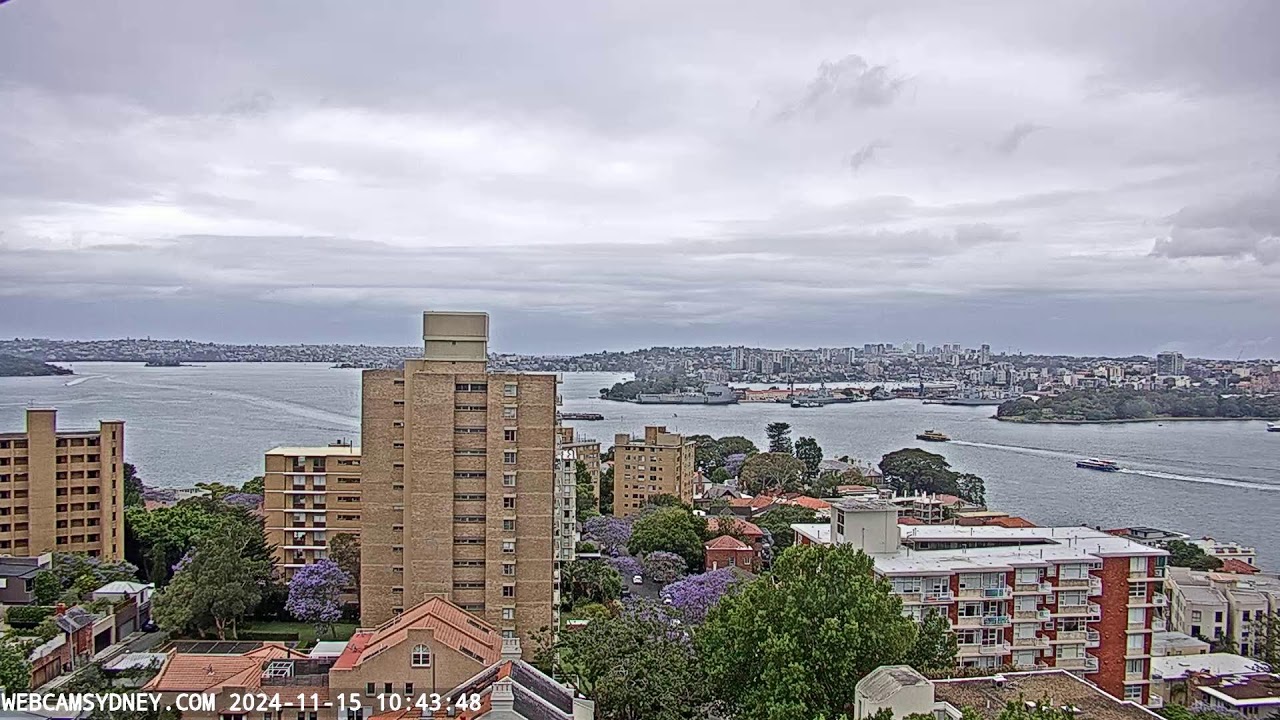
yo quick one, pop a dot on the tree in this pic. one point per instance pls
(610, 533)
(132, 487)
(634, 666)
(913, 470)
(627, 566)
(606, 491)
(720, 475)
(217, 584)
(256, 486)
(592, 581)
(315, 594)
(669, 529)
(935, 647)
(771, 473)
(15, 671)
(793, 643)
(663, 567)
(809, 452)
(972, 488)
(344, 549)
(1266, 638)
(1190, 555)
(695, 595)
(778, 522)
(827, 484)
(159, 538)
(46, 588)
(586, 496)
(733, 463)
(779, 437)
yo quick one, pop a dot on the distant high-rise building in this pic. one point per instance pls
(659, 463)
(459, 469)
(63, 490)
(984, 354)
(1170, 363)
(739, 358)
(919, 348)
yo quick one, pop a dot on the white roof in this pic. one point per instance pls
(816, 532)
(885, 681)
(318, 451)
(328, 648)
(1177, 667)
(122, 587)
(1049, 545)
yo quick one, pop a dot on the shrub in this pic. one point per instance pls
(25, 617)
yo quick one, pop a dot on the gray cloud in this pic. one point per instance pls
(219, 169)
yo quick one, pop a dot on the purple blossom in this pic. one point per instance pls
(664, 566)
(315, 593)
(245, 500)
(182, 563)
(696, 595)
(733, 463)
(609, 533)
(627, 566)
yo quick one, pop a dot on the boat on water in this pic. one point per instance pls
(711, 395)
(932, 436)
(1273, 427)
(1096, 464)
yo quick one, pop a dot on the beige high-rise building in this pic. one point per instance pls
(458, 480)
(585, 450)
(310, 495)
(62, 490)
(660, 463)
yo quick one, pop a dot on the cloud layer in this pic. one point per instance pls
(1046, 177)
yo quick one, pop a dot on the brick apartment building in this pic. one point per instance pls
(659, 463)
(62, 490)
(457, 483)
(310, 495)
(1068, 597)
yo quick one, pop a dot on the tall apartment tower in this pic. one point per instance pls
(311, 494)
(457, 483)
(660, 463)
(62, 490)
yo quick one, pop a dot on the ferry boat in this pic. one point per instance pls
(932, 436)
(1096, 464)
(1273, 427)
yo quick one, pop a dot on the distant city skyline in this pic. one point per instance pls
(1055, 177)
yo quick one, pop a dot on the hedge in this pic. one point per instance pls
(27, 616)
(271, 635)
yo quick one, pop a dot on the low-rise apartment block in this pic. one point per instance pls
(659, 463)
(1225, 551)
(1225, 607)
(311, 494)
(62, 490)
(1068, 597)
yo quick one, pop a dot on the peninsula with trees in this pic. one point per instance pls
(1106, 405)
(13, 366)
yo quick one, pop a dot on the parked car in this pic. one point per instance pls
(637, 580)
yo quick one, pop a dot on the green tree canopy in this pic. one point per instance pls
(778, 522)
(15, 671)
(771, 472)
(913, 470)
(793, 643)
(132, 487)
(217, 585)
(809, 452)
(669, 529)
(935, 647)
(587, 504)
(592, 581)
(779, 437)
(1188, 555)
(256, 486)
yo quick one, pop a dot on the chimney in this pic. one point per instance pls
(511, 648)
(502, 698)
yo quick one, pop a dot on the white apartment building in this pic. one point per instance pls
(1222, 606)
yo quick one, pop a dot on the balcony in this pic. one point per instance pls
(1095, 586)
(1159, 600)
(995, 621)
(1131, 676)
(1024, 643)
(1035, 588)
(996, 649)
(1154, 701)
(989, 593)
(937, 598)
(1039, 615)
(1091, 610)
(1073, 583)
(1092, 639)
(1071, 637)
(1088, 663)
(1158, 625)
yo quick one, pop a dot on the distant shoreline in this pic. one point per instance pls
(1133, 420)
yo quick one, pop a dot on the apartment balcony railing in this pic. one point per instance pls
(1159, 600)
(1154, 701)
(996, 649)
(1037, 615)
(1035, 588)
(1072, 636)
(937, 598)
(1036, 641)
(995, 620)
(1158, 625)
(1092, 610)
(1088, 663)
(1135, 675)
(1072, 583)
(987, 593)
(1095, 586)
(1092, 639)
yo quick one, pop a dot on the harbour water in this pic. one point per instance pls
(213, 422)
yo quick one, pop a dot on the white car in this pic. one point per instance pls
(637, 580)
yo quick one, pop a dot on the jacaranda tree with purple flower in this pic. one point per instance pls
(315, 594)
(733, 463)
(627, 566)
(609, 533)
(697, 594)
(664, 567)
(244, 500)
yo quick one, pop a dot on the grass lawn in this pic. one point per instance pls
(306, 632)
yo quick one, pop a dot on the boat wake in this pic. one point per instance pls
(1017, 449)
(1226, 482)
(77, 381)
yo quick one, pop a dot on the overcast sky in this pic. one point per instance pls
(1066, 177)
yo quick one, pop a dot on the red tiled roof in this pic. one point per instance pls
(1236, 565)
(726, 542)
(909, 521)
(195, 672)
(1011, 522)
(850, 489)
(750, 529)
(449, 624)
(811, 503)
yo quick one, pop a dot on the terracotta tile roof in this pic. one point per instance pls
(449, 624)
(1236, 565)
(909, 521)
(854, 489)
(726, 542)
(195, 672)
(750, 529)
(1011, 522)
(809, 502)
